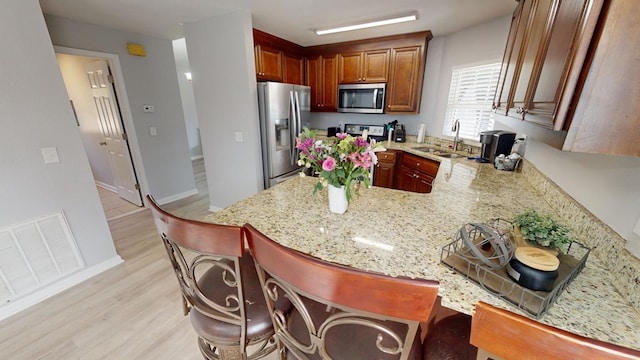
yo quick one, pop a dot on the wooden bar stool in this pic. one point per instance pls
(501, 334)
(219, 286)
(340, 312)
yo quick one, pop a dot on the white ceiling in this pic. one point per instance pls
(293, 20)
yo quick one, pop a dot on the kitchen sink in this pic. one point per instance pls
(425, 149)
(437, 152)
(448, 155)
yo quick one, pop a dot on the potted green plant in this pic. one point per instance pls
(542, 230)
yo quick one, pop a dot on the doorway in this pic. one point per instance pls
(91, 79)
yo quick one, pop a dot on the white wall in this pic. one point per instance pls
(188, 100)
(224, 83)
(148, 80)
(77, 85)
(35, 113)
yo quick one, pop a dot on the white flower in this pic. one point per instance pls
(302, 174)
(300, 162)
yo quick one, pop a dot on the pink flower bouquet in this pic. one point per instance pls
(338, 161)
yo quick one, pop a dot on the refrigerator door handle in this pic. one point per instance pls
(298, 118)
(292, 128)
(298, 125)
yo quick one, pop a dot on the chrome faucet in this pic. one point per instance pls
(456, 139)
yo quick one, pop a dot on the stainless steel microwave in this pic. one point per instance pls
(361, 98)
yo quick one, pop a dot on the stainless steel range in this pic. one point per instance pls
(377, 132)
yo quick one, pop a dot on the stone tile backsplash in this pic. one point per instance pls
(607, 245)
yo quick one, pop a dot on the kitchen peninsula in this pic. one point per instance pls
(402, 234)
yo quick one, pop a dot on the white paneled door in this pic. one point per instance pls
(114, 136)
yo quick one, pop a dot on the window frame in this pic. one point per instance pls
(493, 72)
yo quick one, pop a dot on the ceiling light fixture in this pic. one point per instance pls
(394, 20)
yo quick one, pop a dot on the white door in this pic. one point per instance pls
(115, 138)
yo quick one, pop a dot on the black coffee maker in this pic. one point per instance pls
(494, 143)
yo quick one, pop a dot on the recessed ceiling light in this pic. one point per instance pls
(394, 20)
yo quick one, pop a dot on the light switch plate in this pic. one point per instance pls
(239, 136)
(50, 155)
(153, 131)
(148, 108)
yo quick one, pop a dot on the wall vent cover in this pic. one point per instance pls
(34, 254)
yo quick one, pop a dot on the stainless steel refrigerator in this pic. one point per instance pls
(284, 110)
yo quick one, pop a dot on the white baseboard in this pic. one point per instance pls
(107, 186)
(214, 208)
(196, 157)
(176, 197)
(59, 286)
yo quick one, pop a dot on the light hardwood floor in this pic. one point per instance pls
(114, 206)
(131, 311)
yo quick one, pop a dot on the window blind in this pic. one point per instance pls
(470, 100)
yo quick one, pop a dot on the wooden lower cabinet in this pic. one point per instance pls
(413, 180)
(385, 171)
(404, 171)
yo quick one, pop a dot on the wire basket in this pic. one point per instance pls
(493, 278)
(489, 244)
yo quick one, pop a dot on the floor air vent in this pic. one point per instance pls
(34, 254)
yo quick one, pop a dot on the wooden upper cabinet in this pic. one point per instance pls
(405, 81)
(552, 88)
(575, 72)
(268, 63)
(363, 67)
(548, 58)
(531, 47)
(293, 69)
(322, 77)
(278, 59)
(510, 58)
(543, 60)
(607, 116)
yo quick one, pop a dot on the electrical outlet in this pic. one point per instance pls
(239, 136)
(153, 131)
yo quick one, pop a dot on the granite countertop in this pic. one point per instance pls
(402, 234)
